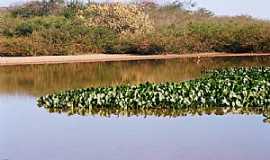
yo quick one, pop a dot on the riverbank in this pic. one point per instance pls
(8, 61)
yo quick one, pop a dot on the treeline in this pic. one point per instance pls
(56, 27)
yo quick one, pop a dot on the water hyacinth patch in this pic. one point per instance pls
(162, 112)
(242, 87)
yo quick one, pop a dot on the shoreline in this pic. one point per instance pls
(92, 58)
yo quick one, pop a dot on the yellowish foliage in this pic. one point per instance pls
(121, 18)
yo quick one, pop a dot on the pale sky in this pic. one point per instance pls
(255, 8)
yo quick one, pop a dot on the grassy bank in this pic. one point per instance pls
(244, 87)
(56, 28)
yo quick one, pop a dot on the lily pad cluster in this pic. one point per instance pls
(235, 87)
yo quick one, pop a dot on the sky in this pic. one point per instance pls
(255, 8)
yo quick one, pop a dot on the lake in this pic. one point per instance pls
(28, 132)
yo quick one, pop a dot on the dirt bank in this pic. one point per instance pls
(5, 61)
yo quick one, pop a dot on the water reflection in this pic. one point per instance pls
(161, 112)
(27, 131)
(38, 80)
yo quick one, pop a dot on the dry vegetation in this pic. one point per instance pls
(57, 28)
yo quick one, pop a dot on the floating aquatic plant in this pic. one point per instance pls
(236, 87)
(162, 112)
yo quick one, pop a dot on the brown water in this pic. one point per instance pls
(31, 133)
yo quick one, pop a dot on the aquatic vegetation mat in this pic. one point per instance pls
(109, 112)
(235, 87)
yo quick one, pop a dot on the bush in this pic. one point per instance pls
(24, 29)
(38, 28)
(36, 45)
(231, 36)
(8, 25)
(71, 9)
(38, 8)
(56, 36)
(121, 18)
(102, 37)
(30, 9)
(135, 44)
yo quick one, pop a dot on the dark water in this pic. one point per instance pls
(31, 133)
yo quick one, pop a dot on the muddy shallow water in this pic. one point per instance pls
(30, 133)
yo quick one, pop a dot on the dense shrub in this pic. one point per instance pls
(102, 37)
(118, 17)
(30, 9)
(136, 44)
(231, 36)
(8, 25)
(24, 29)
(49, 27)
(71, 9)
(55, 36)
(36, 44)
(51, 35)
(21, 27)
(38, 8)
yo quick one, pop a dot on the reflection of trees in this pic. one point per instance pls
(162, 112)
(37, 80)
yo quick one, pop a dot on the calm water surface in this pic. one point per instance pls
(31, 133)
